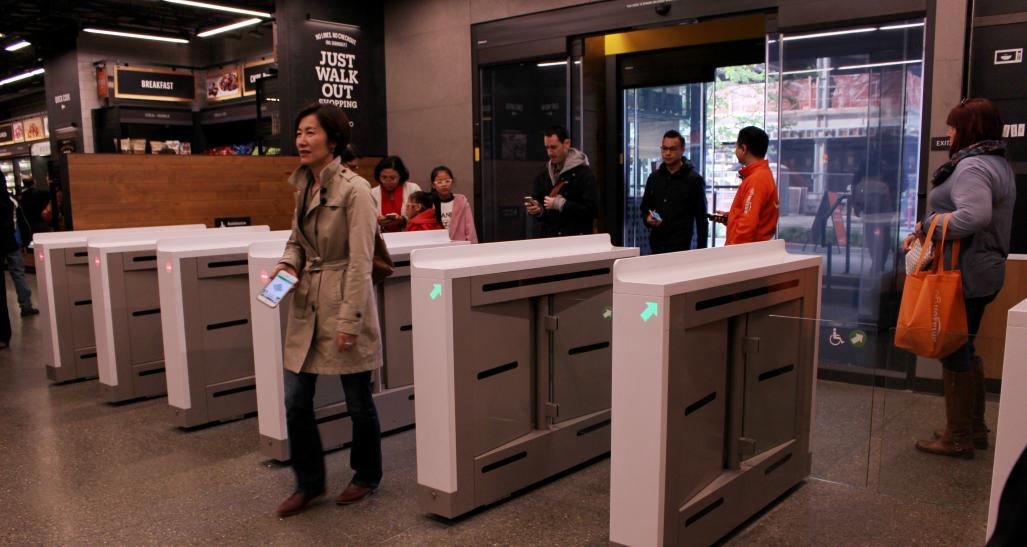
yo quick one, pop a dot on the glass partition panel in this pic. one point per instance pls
(518, 103)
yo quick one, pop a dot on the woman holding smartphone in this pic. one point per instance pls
(393, 191)
(333, 322)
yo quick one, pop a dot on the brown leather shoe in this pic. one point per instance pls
(296, 503)
(353, 493)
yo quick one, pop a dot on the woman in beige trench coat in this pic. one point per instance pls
(333, 321)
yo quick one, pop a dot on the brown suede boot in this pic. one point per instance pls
(957, 442)
(980, 428)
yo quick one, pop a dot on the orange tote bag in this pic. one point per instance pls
(932, 316)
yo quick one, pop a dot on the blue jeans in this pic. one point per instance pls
(16, 265)
(307, 453)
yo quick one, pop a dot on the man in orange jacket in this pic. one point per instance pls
(754, 211)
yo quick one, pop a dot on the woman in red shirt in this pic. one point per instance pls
(422, 213)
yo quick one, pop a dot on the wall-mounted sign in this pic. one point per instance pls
(154, 84)
(1013, 130)
(223, 84)
(253, 72)
(18, 132)
(1008, 56)
(155, 116)
(6, 133)
(339, 66)
(939, 144)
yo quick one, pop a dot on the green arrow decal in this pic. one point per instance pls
(436, 291)
(650, 311)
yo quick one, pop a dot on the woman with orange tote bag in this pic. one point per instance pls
(974, 192)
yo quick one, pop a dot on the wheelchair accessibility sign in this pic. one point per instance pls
(856, 338)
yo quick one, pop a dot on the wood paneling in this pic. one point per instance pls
(115, 191)
(991, 340)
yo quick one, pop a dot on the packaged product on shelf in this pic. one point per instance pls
(242, 149)
(185, 148)
(156, 147)
(138, 146)
(172, 145)
(126, 146)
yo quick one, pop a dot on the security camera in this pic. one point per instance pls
(663, 9)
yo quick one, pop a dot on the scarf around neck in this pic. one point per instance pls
(983, 148)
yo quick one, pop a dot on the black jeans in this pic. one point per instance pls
(961, 359)
(5, 318)
(308, 463)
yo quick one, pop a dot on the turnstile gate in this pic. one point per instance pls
(66, 302)
(393, 384)
(511, 363)
(714, 365)
(126, 310)
(208, 343)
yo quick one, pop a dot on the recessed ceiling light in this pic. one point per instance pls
(134, 35)
(18, 45)
(19, 77)
(226, 28)
(218, 7)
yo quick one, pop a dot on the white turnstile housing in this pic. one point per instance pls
(1011, 440)
(511, 363)
(126, 309)
(65, 300)
(714, 358)
(205, 322)
(393, 385)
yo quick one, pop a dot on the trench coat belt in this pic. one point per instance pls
(316, 264)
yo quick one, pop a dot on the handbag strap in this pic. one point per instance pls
(939, 257)
(923, 248)
(556, 188)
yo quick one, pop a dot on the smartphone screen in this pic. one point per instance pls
(276, 289)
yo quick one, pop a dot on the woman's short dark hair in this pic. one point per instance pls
(392, 162)
(350, 153)
(974, 120)
(755, 139)
(333, 121)
(438, 170)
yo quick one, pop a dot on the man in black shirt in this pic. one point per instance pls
(565, 199)
(33, 201)
(675, 200)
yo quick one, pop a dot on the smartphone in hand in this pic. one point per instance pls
(656, 216)
(276, 289)
(717, 218)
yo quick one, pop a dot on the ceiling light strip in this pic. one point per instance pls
(233, 26)
(899, 27)
(827, 34)
(21, 44)
(219, 7)
(134, 35)
(20, 77)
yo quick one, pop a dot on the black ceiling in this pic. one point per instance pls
(52, 26)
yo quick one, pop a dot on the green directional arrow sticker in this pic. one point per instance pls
(607, 312)
(857, 338)
(650, 311)
(436, 291)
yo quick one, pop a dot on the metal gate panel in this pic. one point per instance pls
(581, 356)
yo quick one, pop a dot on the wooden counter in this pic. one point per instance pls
(124, 190)
(991, 339)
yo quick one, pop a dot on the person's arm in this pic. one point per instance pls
(697, 206)
(539, 193)
(588, 206)
(468, 220)
(972, 196)
(647, 201)
(746, 219)
(294, 257)
(363, 223)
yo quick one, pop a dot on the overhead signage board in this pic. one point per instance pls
(154, 84)
(253, 72)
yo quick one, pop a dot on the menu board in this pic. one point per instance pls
(34, 129)
(223, 84)
(253, 72)
(154, 84)
(18, 132)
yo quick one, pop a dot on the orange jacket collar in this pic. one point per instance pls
(753, 167)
